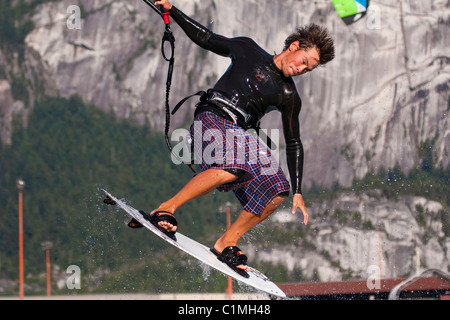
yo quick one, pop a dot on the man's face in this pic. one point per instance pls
(299, 61)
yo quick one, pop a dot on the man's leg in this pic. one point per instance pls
(201, 184)
(244, 223)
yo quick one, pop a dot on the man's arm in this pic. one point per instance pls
(294, 147)
(198, 33)
(294, 151)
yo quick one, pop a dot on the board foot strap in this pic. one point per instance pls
(233, 256)
(109, 201)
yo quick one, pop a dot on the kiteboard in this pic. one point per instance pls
(252, 278)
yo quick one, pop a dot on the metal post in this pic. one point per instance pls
(46, 247)
(20, 186)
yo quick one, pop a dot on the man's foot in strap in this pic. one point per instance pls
(166, 222)
(234, 258)
(163, 220)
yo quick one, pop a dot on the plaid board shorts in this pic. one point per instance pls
(221, 144)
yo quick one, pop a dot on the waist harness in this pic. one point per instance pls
(221, 105)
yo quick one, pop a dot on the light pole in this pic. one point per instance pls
(46, 247)
(20, 187)
(227, 208)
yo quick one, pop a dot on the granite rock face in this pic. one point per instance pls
(384, 95)
(9, 108)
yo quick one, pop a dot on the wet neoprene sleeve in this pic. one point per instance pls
(194, 30)
(256, 82)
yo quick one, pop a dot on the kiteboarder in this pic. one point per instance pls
(255, 83)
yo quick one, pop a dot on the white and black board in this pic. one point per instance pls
(256, 279)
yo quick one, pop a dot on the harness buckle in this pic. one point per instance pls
(232, 104)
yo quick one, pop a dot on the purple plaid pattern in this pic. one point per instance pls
(238, 149)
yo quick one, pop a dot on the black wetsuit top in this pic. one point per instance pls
(256, 82)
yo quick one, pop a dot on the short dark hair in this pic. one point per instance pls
(313, 36)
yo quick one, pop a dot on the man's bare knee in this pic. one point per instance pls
(273, 205)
